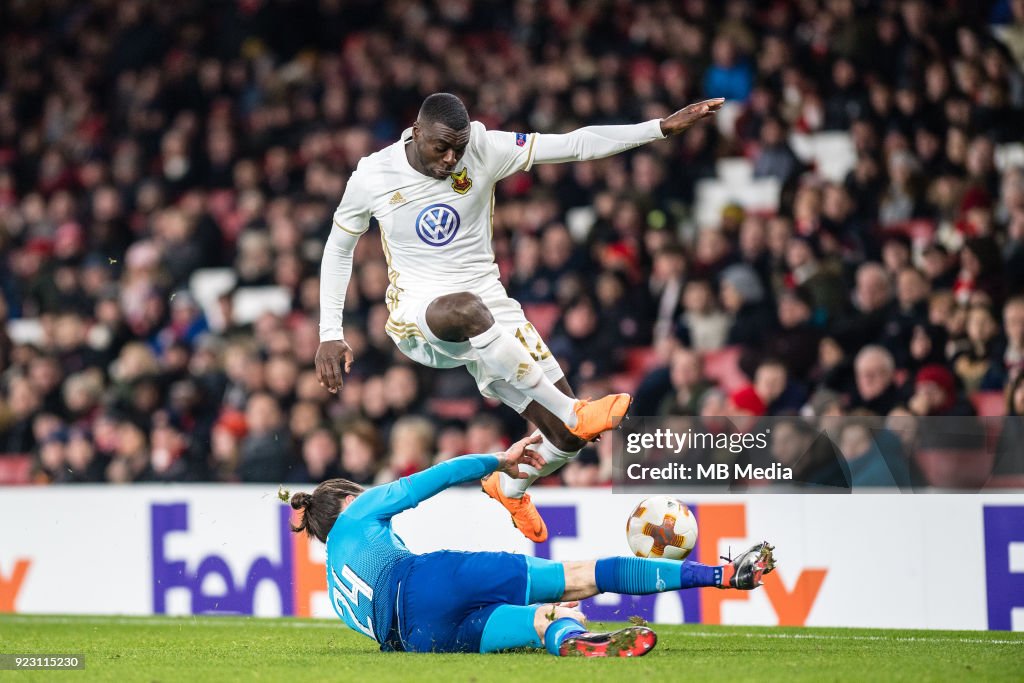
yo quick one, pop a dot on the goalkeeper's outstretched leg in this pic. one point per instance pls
(489, 602)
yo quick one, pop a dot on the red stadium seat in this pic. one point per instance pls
(955, 469)
(989, 403)
(640, 360)
(543, 317)
(15, 468)
(921, 231)
(1006, 481)
(453, 408)
(625, 381)
(722, 367)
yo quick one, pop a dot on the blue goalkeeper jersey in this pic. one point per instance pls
(366, 558)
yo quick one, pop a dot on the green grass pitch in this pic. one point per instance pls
(228, 648)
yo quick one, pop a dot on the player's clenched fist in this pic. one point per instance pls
(689, 115)
(331, 358)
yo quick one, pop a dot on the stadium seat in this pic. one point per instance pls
(26, 331)
(251, 302)
(920, 231)
(722, 366)
(802, 145)
(544, 317)
(1006, 481)
(580, 220)
(640, 360)
(207, 285)
(15, 469)
(989, 403)
(736, 170)
(759, 195)
(727, 116)
(625, 382)
(953, 469)
(1009, 155)
(834, 155)
(454, 408)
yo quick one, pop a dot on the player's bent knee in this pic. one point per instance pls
(457, 317)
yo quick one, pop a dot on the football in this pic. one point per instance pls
(661, 526)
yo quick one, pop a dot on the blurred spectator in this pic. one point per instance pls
(743, 297)
(153, 145)
(264, 452)
(936, 394)
(876, 392)
(796, 341)
(702, 325)
(1009, 454)
(21, 405)
(225, 446)
(867, 465)
(359, 452)
(688, 384)
(974, 360)
(412, 440)
(774, 158)
(729, 76)
(872, 308)
(319, 458)
(484, 434)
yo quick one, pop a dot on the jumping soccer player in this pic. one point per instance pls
(449, 601)
(432, 193)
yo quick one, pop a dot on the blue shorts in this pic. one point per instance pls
(446, 597)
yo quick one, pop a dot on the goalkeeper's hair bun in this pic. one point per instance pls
(301, 500)
(320, 509)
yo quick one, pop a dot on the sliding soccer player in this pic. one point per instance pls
(432, 194)
(449, 601)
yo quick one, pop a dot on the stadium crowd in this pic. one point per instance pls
(142, 143)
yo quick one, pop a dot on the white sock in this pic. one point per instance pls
(554, 457)
(503, 355)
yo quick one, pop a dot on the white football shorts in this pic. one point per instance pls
(408, 328)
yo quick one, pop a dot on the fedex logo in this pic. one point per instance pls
(717, 522)
(291, 573)
(1004, 566)
(11, 584)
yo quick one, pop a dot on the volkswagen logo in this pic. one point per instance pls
(437, 224)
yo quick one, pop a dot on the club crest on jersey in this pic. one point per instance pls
(520, 139)
(437, 224)
(461, 182)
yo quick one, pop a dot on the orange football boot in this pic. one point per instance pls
(524, 514)
(596, 417)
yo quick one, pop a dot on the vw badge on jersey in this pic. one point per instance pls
(437, 224)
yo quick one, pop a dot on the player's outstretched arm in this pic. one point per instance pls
(690, 115)
(598, 142)
(386, 501)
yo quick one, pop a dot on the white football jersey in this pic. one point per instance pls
(436, 233)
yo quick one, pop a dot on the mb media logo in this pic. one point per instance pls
(437, 224)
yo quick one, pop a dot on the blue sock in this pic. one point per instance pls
(510, 626)
(642, 576)
(559, 630)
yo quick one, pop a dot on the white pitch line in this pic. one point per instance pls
(236, 621)
(822, 636)
(184, 620)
